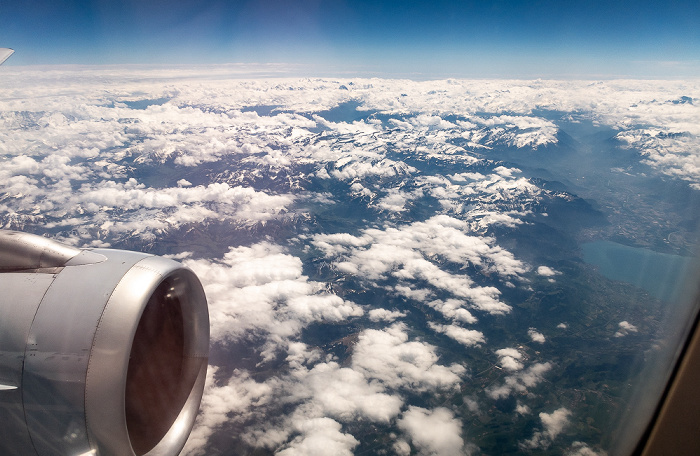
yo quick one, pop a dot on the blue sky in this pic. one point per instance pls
(437, 38)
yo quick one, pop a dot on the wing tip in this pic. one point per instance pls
(5, 53)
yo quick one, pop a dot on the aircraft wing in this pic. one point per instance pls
(5, 53)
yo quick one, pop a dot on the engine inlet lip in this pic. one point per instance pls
(105, 388)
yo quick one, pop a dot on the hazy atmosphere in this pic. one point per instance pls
(367, 38)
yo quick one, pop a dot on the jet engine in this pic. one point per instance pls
(102, 352)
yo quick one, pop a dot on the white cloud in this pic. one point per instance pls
(395, 201)
(582, 449)
(385, 315)
(319, 437)
(547, 271)
(625, 329)
(389, 357)
(236, 400)
(431, 122)
(417, 294)
(509, 359)
(522, 409)
(401, 448)
(383, 363)
(433, 431)
(453, 309)
(111, 208)
(510, 363)
(468, 337)
(536, 336)
(403, 253)
(553, 424)
(520, 382)
(472, 405)
(260, 291)
(344, 394)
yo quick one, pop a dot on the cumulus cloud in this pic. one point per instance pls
(416, 294)
(625, 329)
(78, 155)
(433, 431)
(394, 201)
(133, 195)
(383, 364)
(388, 356)
(553, 424)
(319, 436)
(582, 449)
(402, 448)
(510, 359)
(522, 409)
(536, 336)
(520, 382)
(344, 393)
(468, 337)
(385, 315)
(547, 271)
(111, 208)
(260, 291)
(453, 309)
(402, 253)
(237, 400)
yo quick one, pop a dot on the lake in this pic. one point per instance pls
(661, 274)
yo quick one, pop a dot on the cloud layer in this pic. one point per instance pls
(358, 239)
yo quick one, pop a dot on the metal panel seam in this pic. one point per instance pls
(26, 343)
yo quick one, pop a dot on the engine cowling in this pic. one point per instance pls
(101, 351)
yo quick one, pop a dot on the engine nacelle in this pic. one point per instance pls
(101, 351)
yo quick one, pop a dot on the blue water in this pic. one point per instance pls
(143, 104)
(661, 274)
